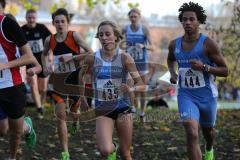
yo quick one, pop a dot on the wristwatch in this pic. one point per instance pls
(74, 57)
(206, 68)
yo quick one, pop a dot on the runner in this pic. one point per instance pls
(199, 62)
(62, 43)
(36, 34)
(139, 41)
(12, 89)
(110, 67)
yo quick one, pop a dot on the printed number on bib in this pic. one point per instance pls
(109, 90)
(191, 78)
(136, 53)
(62, 67)
(36, 45)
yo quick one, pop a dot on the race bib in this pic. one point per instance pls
(108, 89)
(62, 67)
(136, 53)
(191, 78)
(36, 45)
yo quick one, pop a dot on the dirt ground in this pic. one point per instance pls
(162, 138)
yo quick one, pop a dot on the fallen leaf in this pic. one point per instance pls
(172, 148)
(165, 129)
(147, 144)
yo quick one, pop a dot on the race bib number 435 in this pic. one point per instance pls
(109, 89)
(191, 78)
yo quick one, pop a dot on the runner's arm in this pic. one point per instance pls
(171, 62)
(46, 57)
(14, 33)
(213, 52)
(132, 69)
(82, 44)
(47, 32)
(85, 65)
(149, 45)
(26, 58)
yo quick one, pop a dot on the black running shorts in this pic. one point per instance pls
(13, 101)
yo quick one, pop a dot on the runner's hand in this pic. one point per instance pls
(2, 66)
(196, 64)
(173, 78)
(65, 59)
(84, 105)
(48, 69)
(140, 45)
(30, 72)
(125, 88)
(34, 70)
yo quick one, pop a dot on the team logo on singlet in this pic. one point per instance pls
(177, 51)
(190, 73)
(36, 35)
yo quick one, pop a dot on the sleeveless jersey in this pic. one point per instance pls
(193, 83)
(108, 77)
(66, 48)
(36, 37)
(8, 52)
(138, 54)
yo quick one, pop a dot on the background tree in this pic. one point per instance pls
(88, 4)
(231, 44)
(224, 27)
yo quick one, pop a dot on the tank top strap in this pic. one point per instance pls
(178, 43)
(71, 43)
(201, 40)
(53, 42)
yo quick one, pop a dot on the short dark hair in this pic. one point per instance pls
(116, 30)
(194, 7)
(31, 11)
(61, 11)
(3, 3)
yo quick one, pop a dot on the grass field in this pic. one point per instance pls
(162, 138)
